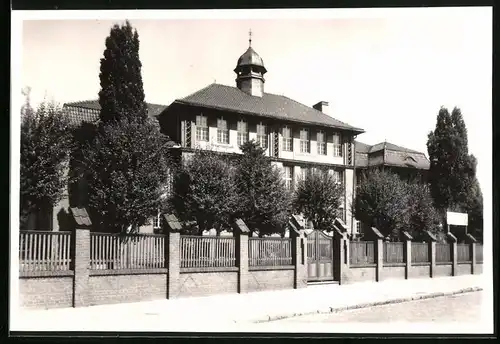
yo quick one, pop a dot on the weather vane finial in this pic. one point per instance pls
(250, 38)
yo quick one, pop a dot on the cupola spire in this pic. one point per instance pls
(250, 71)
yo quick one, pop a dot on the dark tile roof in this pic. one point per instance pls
(229, 98)
(88, 111)
(394, 155)
(364, 148)
(406, 159)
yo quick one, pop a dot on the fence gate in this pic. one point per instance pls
(319, 257)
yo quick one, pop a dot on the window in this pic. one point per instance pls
(337, 176)
(337, 147)
(358, 227)
(303, 172)
(222, 131)
(287, 139)
(201, 128)
(242, 132)
(304, 141)
(157, 221)
(288, 176)
(261, 135)
(320, 139)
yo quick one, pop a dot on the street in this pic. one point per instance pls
(464, 308)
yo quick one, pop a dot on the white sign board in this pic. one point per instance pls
(457, 219)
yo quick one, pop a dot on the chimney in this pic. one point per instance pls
(322, 106)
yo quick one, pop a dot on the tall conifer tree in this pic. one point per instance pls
(122, 92)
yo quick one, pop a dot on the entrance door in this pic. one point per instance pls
(319, 257)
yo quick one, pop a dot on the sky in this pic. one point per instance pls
(386, 73)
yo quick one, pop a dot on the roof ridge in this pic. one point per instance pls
(231, 98)
(201, 89)
(81, 101)
(320, 112)
(76, 103)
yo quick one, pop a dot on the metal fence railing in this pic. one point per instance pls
(463, 253)
(44, 251)
(443, 253)
(361, 252)
(207, 251)
(394, 252)
(134, 251)
(269, 251)
(419, 252)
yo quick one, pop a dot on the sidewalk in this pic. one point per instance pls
(227, 313)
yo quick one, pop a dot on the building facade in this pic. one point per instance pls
(296, 137)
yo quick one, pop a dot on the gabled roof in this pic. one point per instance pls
(227, 98)
(88, 111)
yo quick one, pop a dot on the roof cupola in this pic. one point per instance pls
(250, 71)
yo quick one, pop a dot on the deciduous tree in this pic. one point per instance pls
(126, 168)
(318, 197)
(423, 215)
(45, 146)
(204, 190)
(382, 202)
(264, 202)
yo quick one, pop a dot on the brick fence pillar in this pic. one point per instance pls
(299, 258)
(454, 262)
(407, 253)
(379, 252)
(379, 258)
(473, 258)
(174, 264)
(241, 233)
(172, 227)
(81, 256)
(432, 256)
(242, 261)
(432, 253)
(340, 251)
(299, 252)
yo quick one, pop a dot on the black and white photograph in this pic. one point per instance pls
(284, 171)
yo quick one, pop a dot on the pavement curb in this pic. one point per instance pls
(337, 309)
